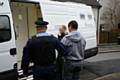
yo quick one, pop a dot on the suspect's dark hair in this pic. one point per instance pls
(73, 24)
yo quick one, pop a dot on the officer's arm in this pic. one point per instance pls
(60, 48)
(66, 42)
(25, 59)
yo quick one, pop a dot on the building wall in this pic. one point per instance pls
(107, 34)
(103, 3)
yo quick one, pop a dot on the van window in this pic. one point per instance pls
(5, 31)
(82, 16)
(89, 17)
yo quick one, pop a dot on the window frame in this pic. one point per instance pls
(7, 40)
(81, 16)
(90, 17)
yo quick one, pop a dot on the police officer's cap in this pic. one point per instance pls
(41, 23)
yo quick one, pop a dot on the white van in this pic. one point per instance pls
(57, 13)
(17, 18)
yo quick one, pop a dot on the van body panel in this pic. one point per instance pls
(24, 17)
(58, 13)
(4, 6)
(7, 60)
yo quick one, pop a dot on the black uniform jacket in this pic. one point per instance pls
(41, 51)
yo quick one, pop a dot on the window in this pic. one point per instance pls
(82, 16)
(5, 31)
(89, 17)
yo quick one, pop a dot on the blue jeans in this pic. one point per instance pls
(72, 70)
(44, 73)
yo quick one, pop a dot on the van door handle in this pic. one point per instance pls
(13, 51)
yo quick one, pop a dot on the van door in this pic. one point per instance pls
(7, 41)
(21, 26)
(24, 16)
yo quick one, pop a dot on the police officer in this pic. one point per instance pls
(40, 50)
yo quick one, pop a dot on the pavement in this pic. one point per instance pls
(102, 68)
(87, 75)
(94, 70)
(114, 76)
(104, 56)
(104, 65)
(106, 48)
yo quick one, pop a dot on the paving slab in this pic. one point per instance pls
(114, 76)
(104, 56)
(102, 68)
(86, 75)
(106, 48)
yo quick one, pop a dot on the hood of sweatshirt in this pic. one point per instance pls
(74, 36)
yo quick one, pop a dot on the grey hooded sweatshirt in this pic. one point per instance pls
(75, 44)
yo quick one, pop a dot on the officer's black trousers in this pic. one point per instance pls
(60, 67)
(44, 72)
